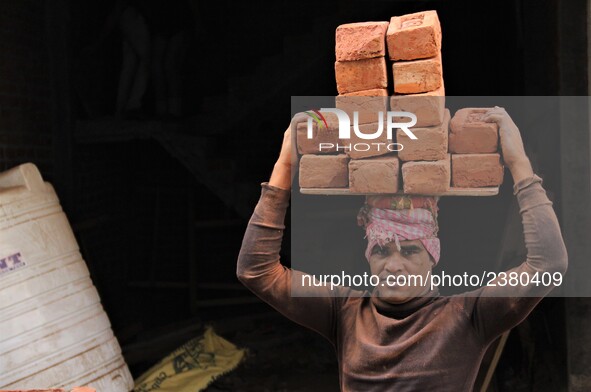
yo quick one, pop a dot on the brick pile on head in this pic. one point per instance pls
(458, 152)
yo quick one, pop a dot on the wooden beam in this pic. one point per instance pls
(488, 191)
(495, 360)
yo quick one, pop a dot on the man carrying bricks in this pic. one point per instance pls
(405, 338)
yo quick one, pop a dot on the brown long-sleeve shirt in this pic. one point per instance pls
(431, 343)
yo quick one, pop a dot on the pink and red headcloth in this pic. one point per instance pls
(400, 218)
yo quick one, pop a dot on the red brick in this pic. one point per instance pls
(429, 107)
(374, 175)
(376, 92)
(430, 145)
(414, 36)
(367, 147)
(321, 134)
(367, 103)
(476, 170)
(426, 177)
(324, 171)
(469, 135)
(361, 75)
(417, 76)
(358, 41)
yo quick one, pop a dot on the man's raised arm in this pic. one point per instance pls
(503, 305)
(259, 267)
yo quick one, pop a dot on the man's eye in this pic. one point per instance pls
(407, 252)
(378, 250)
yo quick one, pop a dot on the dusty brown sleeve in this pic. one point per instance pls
(500, 308)
(260, 270)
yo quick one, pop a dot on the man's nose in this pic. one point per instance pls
(395, 263)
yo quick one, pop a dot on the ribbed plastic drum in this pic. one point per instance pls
(53, 330)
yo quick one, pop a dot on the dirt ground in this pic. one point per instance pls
(282, 356)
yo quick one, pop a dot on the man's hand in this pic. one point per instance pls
(281, 176)
(511, 144)
(285, 153)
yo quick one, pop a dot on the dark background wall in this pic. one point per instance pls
(159, 206)
(25, 106)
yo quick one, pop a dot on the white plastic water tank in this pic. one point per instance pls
(53, 330)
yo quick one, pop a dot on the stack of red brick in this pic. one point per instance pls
(414, 45)
(362, 83)
(474, 144)
(439, 158)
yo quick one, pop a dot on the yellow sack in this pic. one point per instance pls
(193, 366)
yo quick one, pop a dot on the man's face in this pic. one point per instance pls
(387, 261)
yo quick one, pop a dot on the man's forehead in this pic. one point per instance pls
(416, 243)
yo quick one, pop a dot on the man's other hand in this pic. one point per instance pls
(511, 143)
